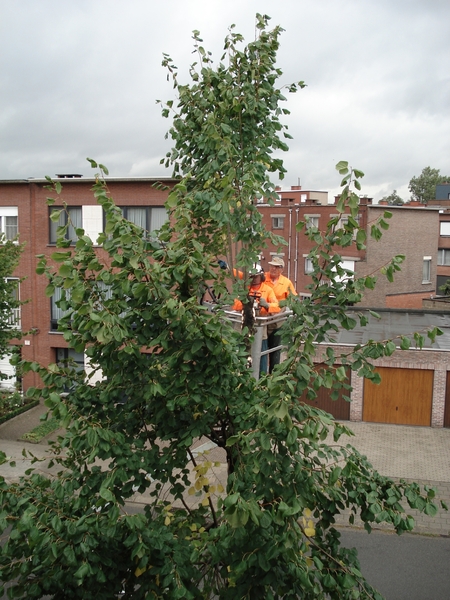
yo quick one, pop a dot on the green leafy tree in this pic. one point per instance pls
(10, 252)
(173, 372)
(423, 187)
(394, 199)
(445, 288)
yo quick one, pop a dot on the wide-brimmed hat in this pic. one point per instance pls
(277, 261)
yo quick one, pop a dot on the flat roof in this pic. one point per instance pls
(86, 179)
(392, 324)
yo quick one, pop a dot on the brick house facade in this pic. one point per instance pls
(412, 232)
(23, 210)
(25, 202)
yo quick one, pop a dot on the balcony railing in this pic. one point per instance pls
(14, 319)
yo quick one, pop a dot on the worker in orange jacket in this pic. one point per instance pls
(267, 304)
(282, 287)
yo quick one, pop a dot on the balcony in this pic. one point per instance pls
(14, 321)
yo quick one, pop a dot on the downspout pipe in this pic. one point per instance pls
(289, 244)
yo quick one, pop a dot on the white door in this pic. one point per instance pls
(6, 368)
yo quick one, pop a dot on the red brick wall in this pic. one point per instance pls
(33, 218)
(406, 300)
(413, 232)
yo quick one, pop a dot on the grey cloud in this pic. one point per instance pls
(81, 79)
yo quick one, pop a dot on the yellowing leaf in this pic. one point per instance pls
(309, 530)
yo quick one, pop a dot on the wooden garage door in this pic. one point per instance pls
(340, 408)
(404, 397)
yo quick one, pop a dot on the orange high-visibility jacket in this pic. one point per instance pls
(266, 293)
(282, 288)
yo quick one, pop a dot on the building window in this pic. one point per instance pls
(312, 221)
(14, 317)
(443, 257)
(309, 267)
(66, 356)
(445, 228)
(56, 313)
(426, 275)
(278, 222)
(103, 291)
(349, 266)
(343, 223)
(71, 216)
(150, 218)
(9, 222)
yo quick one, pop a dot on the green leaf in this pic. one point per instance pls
(342, 167)
(94, 165)
(390, 348)
(55, 215)
(61, 256)
(405, 343)
(107, 495)
(49, 290)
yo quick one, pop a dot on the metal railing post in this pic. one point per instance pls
(256, 351)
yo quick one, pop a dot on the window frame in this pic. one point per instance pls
(15, 319)
(312, 221)
(441, 259)
(9, 212)
(62, 222)
(148, 215)
(308, 261)
(278, 221)
(426, 270)
(442, 227)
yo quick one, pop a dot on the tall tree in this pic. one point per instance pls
(423, 187)
(174, 372)
(10, 252)
(393, 199)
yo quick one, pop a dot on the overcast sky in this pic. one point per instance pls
(81, 78)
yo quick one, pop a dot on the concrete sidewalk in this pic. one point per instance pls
(420, 454)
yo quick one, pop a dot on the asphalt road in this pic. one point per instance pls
(406, 567)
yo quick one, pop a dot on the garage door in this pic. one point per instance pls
(403, 397)
(340, 408)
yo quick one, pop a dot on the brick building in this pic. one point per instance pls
(443, 260)
(415, 383)
(24, 211)
(412, 231)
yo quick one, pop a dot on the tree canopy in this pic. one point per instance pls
(393, 199)
(173, 372)
(423, 187)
